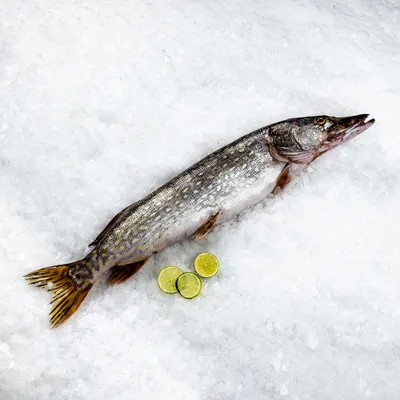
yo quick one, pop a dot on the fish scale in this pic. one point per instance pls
(218, 179)
(210, 192)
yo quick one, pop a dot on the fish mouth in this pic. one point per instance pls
(344, 129)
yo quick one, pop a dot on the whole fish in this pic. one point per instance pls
(212, 191)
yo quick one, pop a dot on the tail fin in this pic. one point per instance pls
(67, 294)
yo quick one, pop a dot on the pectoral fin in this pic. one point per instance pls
(288, 173)
(120, 273)
(207, 226)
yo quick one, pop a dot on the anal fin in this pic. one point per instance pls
(121, 273)
(206, 226)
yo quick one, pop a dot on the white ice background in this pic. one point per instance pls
(103, 101)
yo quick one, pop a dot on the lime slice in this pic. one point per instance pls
(189, 285)
(206, 265)
(167, 279)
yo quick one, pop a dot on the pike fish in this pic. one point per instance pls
(208, 193)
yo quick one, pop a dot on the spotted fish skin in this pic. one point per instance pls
(226, 182)
(212, 191)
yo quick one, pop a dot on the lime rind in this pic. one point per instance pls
(167, 279)
(189, 285)
(206, 265)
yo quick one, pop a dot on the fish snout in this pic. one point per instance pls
(347, 128)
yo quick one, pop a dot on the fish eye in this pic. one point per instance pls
(320, 120)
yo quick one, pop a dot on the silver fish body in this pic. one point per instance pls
(210, 192)
(227, 181)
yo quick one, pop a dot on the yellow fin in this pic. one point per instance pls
(67, 295)
(206, 226)
(121, 273)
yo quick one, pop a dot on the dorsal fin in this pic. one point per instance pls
(113, 222)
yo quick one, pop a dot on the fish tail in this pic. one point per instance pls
(69, 284)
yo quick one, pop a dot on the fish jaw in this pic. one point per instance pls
(302, 140)
(346, 129)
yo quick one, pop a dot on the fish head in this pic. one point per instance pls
(301, 140)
